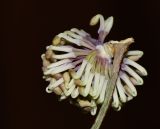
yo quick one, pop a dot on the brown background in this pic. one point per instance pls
(29, 26)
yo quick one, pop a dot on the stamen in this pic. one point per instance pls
(102, 94)
(134, 81)
(73, 35)
(75, 93)
(78, 32)
(59, 63)
(136, 65)
(100, 86)
(96, 84)
(108, 24)
(133, 74)
(77, 62)
(128, 93)
(121, 91)
(94, 108)
(134, 55)
(61, 48)
(84, 103)
(76, 41)
(68, 92)
(125, 78)
(95, 20)
(80, 71)
(115, 102)
(85, 91)
(54, 84)
(73, 74)
(62, 97)
(71, 83)
(79, 82)
(61, 68)
(64, 56)
(56, 40)
(66, 78)
(87, 72)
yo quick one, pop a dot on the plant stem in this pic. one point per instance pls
(120, 49)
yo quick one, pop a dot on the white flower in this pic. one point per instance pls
(78, 66)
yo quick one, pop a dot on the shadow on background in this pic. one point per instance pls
(30, 25)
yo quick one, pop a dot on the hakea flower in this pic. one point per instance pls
(78, 67)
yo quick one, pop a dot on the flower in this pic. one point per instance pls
(78, 67)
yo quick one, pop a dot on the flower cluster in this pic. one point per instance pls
(78, 67)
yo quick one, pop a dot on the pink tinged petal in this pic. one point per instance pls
(125, 78)
(120, 90)
(138, 79)
(136, 65)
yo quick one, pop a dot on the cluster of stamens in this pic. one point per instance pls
(78, 67)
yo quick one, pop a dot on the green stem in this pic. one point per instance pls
(120, 49)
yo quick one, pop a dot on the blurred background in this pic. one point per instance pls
(30, 25)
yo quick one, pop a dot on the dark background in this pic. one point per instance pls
(30, 25)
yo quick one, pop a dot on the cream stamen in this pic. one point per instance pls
(59, 63)
(133, 74)
(125, 78)
(120, 90)
(136, 65)
(75, 93)
(115, 102)
(61, 68)
(81, 70)
(134, 55)
(108, 24)
(100, 86)
(64, 56)
(102, 94)
(85, 91)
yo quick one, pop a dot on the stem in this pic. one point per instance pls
(120, 49)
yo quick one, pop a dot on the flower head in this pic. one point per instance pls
(78, 66)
